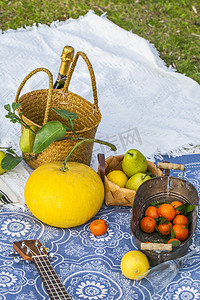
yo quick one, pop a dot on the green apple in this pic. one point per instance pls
(134, 162)
(27, 140)
(136, 180)
(2, 155)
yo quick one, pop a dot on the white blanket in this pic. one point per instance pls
(144, 104)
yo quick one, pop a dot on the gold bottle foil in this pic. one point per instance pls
(66, 59)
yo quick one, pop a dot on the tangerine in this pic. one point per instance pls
(173, 240)
(148, 224)
(98, 227)
(166, 210)
(152, 212)
(164, 228)
(181, 232)
(180, 219)
(175, 204)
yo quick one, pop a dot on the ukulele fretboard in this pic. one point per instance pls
(50, 278)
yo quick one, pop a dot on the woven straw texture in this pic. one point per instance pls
(114, 195)
(36, 107)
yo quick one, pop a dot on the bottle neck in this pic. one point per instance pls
(66, 60)
(64, 66)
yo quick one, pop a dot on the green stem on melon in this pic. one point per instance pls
(83, 140)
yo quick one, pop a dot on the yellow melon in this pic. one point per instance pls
(64, 198)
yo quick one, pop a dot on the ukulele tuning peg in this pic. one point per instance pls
(12, 253)
(17, 259)
(27, 261)
(51, 255)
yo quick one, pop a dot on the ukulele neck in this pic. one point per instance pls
(51, 280)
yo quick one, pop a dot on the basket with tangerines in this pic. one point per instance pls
(169, 220)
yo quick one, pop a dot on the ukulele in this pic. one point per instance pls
(34, 251)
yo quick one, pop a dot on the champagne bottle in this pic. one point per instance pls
(66, 60)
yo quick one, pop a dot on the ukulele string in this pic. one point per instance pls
(44, 270)
(54, 282)
(34, 254)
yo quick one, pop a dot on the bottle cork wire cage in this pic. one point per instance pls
(37, 105)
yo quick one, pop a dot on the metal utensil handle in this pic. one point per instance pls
(170, 166)
(156, 246)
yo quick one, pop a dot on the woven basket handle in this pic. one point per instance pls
(92, 76)
(50, 92)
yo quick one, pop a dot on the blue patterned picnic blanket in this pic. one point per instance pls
(89, 266)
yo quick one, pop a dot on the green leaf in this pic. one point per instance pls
(66, 127)
(185, 208)
(157, 203)
(10, 162)
(1, 195)
(188, 223)
(175, 243)
(15, 106)
(9, 150)
(7, 107)
(165, 238)
(152, 175)
(46, 135)
(172, 232)
(161, 220)
(190, 208)
(66, 114)
(153, 203)
(71, 122)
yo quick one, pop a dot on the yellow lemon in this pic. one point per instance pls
(118, 177)
(2, 155)
(64, 199)
(133, 264)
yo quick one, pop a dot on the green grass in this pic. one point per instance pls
(173, 26)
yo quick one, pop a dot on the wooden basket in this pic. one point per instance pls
(115, 195)
(36, 108)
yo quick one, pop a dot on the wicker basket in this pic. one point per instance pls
(114, 195)
(36, 107)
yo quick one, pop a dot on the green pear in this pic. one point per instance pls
(2, 155)
(134, 162)
(27, 140)
(136, 180)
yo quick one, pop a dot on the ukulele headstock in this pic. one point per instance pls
(28, 249)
